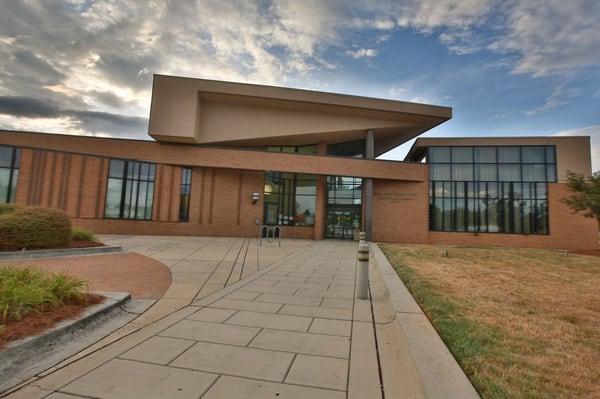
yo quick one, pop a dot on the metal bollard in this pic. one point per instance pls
(363, 271)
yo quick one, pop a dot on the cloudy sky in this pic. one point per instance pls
(529, 67)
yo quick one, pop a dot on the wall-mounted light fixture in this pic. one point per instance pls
(255, 198)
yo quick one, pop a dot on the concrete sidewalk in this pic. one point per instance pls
(292, 330)
(201, 265)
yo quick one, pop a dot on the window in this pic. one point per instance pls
(303, 149)
(184, 196)
(344, 190)
(490, 189)
(9, 173)
(290, 199)
(502, 163)
(130, 190)
(355, 149)
(491, 207)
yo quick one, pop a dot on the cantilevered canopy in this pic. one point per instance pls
(235, 114)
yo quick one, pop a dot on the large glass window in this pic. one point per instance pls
(344, 190)
(355, 149)
(490, 189)
(492, 207)
(184, 196)
(130, 190)
(290, 199)
(9, 173)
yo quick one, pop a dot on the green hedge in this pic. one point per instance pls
(32, 227)
(82, 235)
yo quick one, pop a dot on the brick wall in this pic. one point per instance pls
(221, 205)
(401, 214)
(220, 202)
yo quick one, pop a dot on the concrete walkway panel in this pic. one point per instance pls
(311, 344)
(232, 360)
(270, 321)
(120, 379)
(211, 332)
(240, 388)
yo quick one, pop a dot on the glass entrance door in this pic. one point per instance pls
(342, 222)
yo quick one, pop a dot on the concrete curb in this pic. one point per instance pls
(31, 347)
(57, 253)
(437, 371)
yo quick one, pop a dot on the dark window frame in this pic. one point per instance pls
(297, 149)
(13, 170)
(353, 149)
(185, 193)
(504, 199)
(510, 201)
(356, 193)
(498, 164)
(127, 185)
(288, 190)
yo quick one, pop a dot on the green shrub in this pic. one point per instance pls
(27, 290)
(5, 208)
(82, 234)
(30, 227)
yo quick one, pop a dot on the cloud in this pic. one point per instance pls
(551, 36)
(362, 53)
(99, 56)
(594, 133)
(561, 95)
(541, 37)
(105, 123)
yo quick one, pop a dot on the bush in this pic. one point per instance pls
(82, 235)
(5, 208)
(30, 227)
(28, 290)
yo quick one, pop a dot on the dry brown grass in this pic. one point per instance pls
(544, 305)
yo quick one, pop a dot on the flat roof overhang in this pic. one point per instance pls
(200, 111)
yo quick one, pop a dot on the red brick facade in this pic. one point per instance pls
(221, 204)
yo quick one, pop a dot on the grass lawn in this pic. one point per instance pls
(32, 300)
(522, 323)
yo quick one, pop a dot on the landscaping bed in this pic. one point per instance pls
(33, 227)
(84, 244)
(521, 323)
(33, 300)
(36, 323)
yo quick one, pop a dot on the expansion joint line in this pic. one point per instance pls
(377, 343)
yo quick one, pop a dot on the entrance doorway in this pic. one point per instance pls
(344, 205)
(342, 222)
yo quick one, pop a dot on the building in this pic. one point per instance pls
(227, 158)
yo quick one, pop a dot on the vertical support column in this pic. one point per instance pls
(319, 229)
(320, 208)
(368, 187)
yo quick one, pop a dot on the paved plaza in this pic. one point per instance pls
(239, 321)
(202, 265)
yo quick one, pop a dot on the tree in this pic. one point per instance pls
(586, 195)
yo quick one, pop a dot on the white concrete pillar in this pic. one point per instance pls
(362, 291)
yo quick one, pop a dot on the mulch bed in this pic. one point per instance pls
(35, 323)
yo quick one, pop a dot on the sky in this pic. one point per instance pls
(529, 67)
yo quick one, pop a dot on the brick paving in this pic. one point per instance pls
(289, 330)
